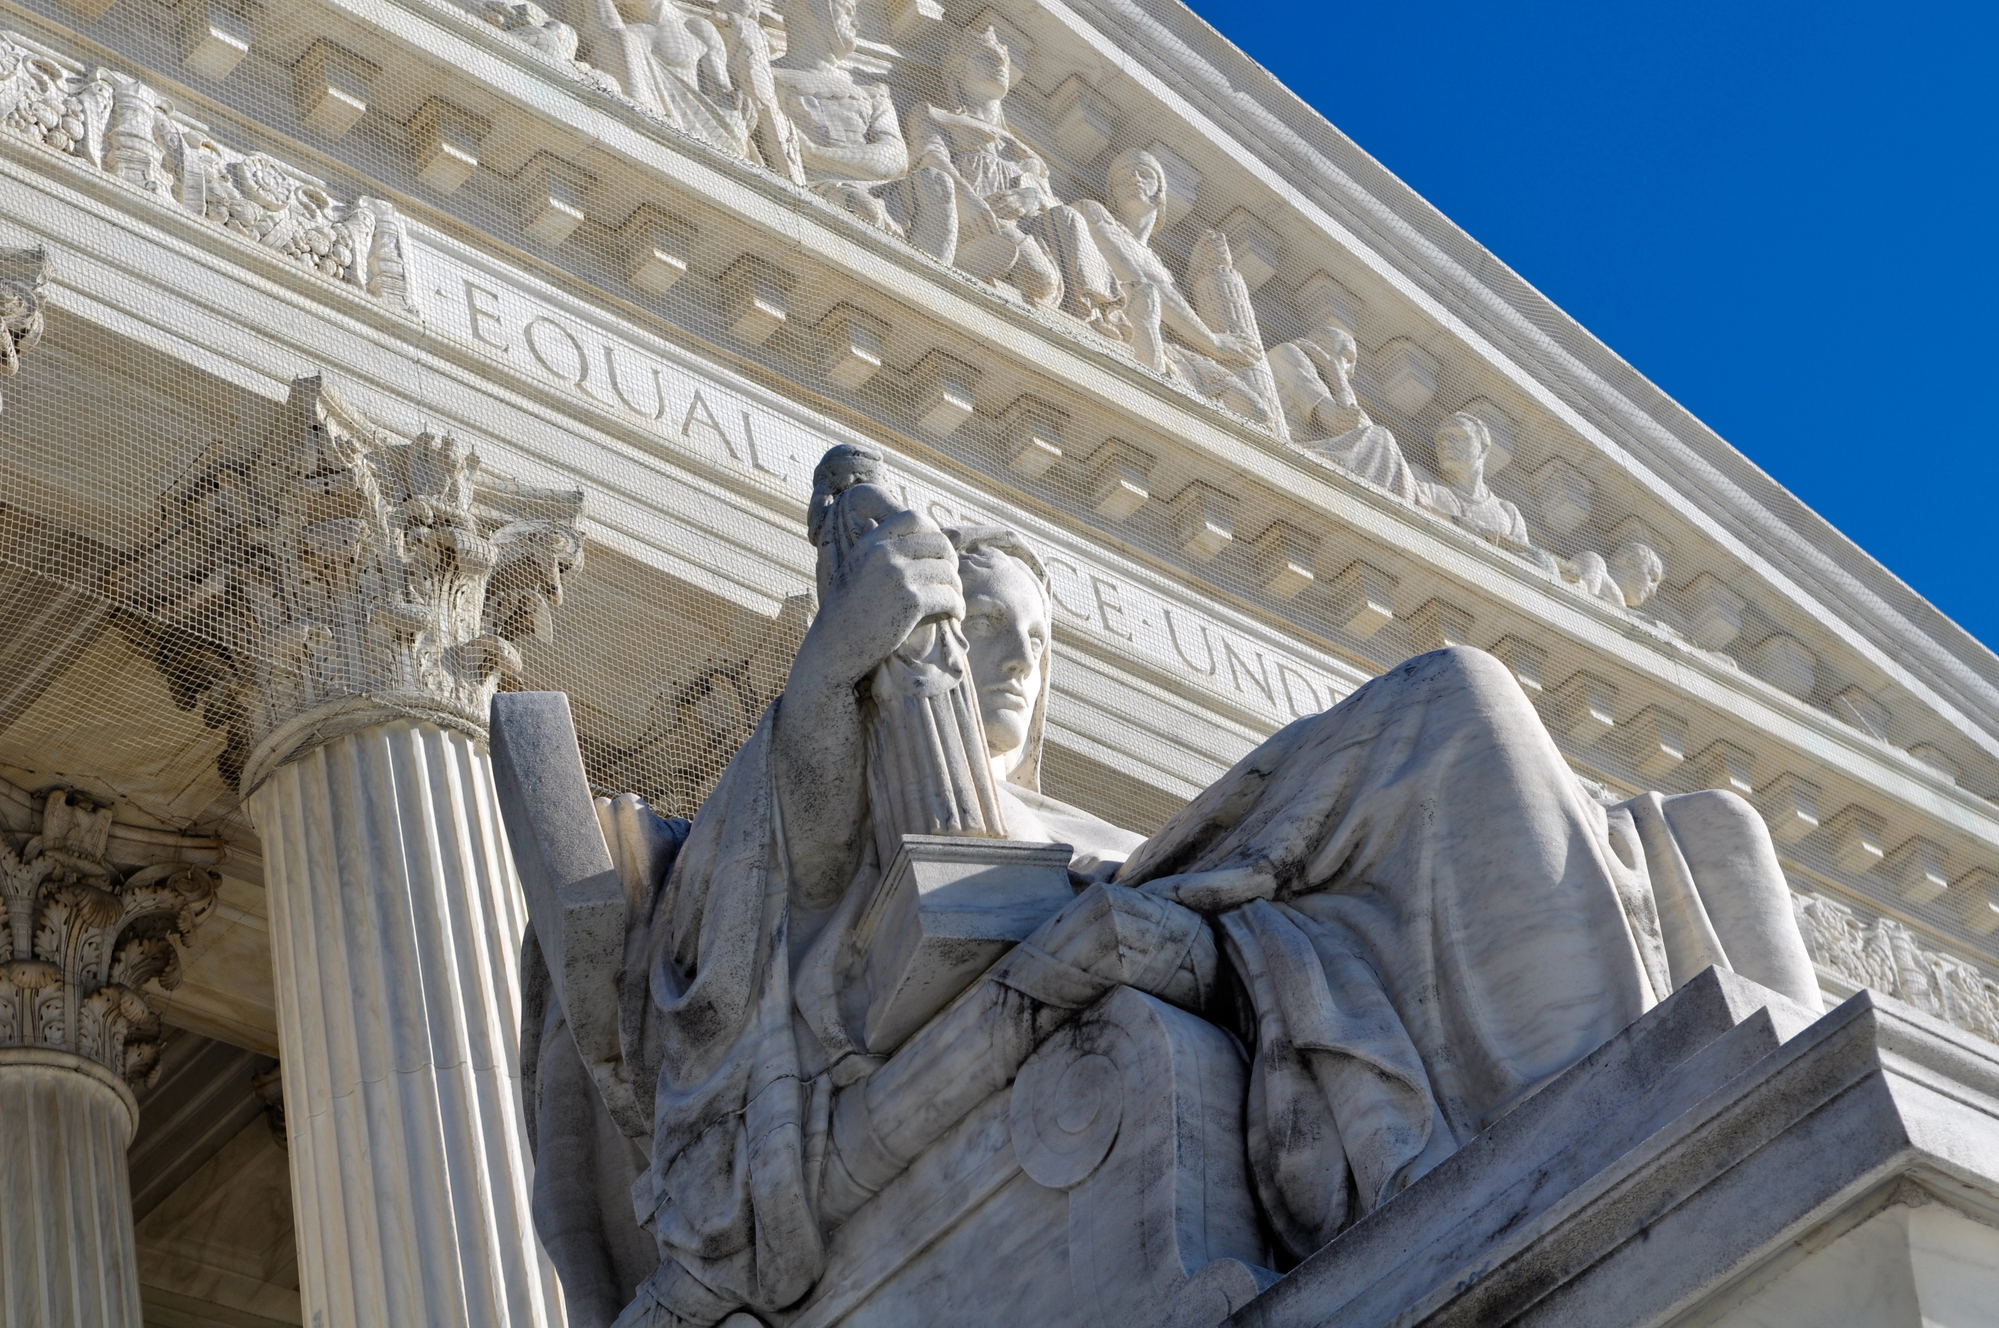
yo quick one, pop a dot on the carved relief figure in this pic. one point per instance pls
(980, 194)
(531, 24)
(1627, 579)
(1314, 383)
(849, 143)
(711, 82)
(1425, 911)
(1224, 363)
(1459, 491)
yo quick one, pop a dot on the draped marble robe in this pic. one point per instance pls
(1426, 913)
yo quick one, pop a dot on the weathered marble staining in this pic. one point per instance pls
(1422, 915)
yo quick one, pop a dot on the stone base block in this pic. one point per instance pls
(1726, 1160)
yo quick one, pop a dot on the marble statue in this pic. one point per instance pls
(1314, 382)
(712, 81)
(1626, 579)
(1458, 490)
(848, 140)
(1407, 908)
(1222, 359)
(980, 193)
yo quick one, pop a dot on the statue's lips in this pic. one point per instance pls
(1008, 695)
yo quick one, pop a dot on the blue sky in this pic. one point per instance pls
(1781, 213)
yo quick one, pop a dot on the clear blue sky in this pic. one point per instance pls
(1781, 213)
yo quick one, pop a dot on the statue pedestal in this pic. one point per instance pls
(945, 911)
(1725, 1160)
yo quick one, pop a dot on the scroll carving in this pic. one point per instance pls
(125, 128)
(91, 922)
(22, 272)
(342, 576)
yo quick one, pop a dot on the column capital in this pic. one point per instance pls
(23, 274)
(93, 916)
(343, 576)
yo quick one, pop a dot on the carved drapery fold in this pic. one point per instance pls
(125, 128)
(341, 577)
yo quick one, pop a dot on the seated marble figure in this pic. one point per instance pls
(1407, 908)
(1314, 378)
(979, 193)
(848, 141)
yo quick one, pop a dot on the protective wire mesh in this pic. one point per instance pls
(180, 522)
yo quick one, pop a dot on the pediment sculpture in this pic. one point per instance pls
(886, 1008)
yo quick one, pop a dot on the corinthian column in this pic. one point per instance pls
(345, 603)
(85, 934)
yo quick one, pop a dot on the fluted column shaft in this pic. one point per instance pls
(66, 1247)
(395, 930)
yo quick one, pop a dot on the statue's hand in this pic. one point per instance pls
(895, 576)
(1213, 891)
(1235, 350)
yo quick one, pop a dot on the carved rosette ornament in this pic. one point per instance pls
(342, 577)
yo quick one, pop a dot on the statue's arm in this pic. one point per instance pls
(895, 576)
(885, 156)
(616, 49)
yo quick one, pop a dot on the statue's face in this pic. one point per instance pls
(846, 31)
(1006, 627)
(1638, 574)
(985, 69)
(1460, 449)
(1135, 188)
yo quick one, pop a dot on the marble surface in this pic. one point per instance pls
(1423, 915)
(67, 1254)
(1728, 1159)
(395, 919)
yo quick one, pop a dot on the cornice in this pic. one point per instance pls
(1684, 465)
(1185, 54)
(811, 233)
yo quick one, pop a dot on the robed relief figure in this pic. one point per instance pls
(1407, 910)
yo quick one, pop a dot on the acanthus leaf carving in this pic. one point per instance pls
(341, 576)
(86, 936)
(23, 273)
(121, 125)
(1884, 955)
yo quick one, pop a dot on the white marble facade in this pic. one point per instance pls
(335, 333)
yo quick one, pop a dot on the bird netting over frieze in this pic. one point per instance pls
(1054, 299)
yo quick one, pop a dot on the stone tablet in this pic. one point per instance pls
(573, 896)
(946, 910)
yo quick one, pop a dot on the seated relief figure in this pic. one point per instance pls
(1314, 378)
(1407, 908)
(1458, 490)
(849, 143)
(1217, 350)
(1626, 579)
(713, 82)
(980, 195)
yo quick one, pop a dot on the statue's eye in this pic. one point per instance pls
(979, 624)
